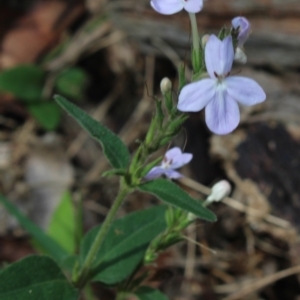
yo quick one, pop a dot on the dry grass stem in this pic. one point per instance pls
(258, 284)
(236, 204)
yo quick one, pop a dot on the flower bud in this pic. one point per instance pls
(244, 28)
(240, 55)
(219, 191)
(204, 40)
(165, 85)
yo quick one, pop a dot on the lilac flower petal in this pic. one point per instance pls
(212, 55)
(222, 113)
(219, 56)
(195, 96)
(193, 6)
(172, 174)
(181, 160)
(154, 173)
(226, 55)
(245, 90)
(172, 153)
(167, 7)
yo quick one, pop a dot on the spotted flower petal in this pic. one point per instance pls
(222, 113)
(176, 159)
(173, 153)
(181, 160)
(184, 159)
(245, 90)
(218, 56)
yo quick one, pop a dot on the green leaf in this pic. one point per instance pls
(47, 113)
(148, 293)
(35, 278)
(62, 227)
(171, 193)
(25, 82)
(125, 244)
(47, 243)
(72, 83)
(114, 149)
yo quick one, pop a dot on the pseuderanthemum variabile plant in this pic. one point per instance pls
(220, 93)
(174, 159)
(169, 7)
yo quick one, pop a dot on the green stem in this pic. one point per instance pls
(196, 53)
(87, 264)
(195, 34)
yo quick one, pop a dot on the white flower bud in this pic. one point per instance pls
(219, 191)
(204, 40)
(240, 55)
(165, 85)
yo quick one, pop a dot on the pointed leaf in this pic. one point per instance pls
(47, 113)
(114, 149)
(148, 293)
(47, 243)
(125, 244)
(72, 82)
(35, 277)
(171, 193)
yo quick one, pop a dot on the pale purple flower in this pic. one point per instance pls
(169, 7)
(173, 159)
(220, 93)
(244, 27)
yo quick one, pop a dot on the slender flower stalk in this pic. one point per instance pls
(196, 55)
(90, 258)
(195, 34)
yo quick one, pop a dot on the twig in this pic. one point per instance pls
(191, 252)
(262, 282)
(236, 204)
(79, 44)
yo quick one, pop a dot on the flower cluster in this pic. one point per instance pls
(220, 93)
